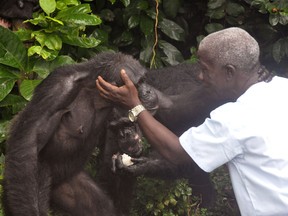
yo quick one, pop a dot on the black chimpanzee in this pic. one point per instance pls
(13, 12)
(53, 137)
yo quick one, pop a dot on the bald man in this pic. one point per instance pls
(249, 134)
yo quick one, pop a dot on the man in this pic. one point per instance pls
(249, 133)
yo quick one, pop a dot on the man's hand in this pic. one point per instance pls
(126, 95)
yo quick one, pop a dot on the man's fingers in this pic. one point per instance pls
(127, 81)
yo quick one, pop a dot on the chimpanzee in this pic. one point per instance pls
(14, 12)
(53, 137)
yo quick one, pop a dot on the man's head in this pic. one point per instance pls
(229, 60)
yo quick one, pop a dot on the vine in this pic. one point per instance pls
(156, 34)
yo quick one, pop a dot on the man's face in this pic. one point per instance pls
(212, 74)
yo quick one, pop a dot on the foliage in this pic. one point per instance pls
(165, 198)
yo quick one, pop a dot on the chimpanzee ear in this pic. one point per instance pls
(230, 71)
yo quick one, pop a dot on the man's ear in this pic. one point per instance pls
(230, 71)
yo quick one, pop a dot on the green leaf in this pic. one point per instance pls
(146, 25)
(274, 19)
(174, 56)
(216, 14)
(79, 9)
(213, 27)
(213, 4)
(85, 42)
(43, 68)
(172, 30)
(82, 19)
(126, 38)
(4, 130)
(283, 20)
(43, 52)
(51, 41)
(27, 88)
(17, 102)
(48, 6)
(234, 9)
(171, 7)
(6, 86)
(133, 21)
(23, 34)
(12, 51)
(142, 5)
(125, 2)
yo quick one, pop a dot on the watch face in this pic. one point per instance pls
(131, 116)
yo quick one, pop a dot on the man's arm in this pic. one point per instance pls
(160, 137)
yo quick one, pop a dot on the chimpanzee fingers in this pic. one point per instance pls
(139, 160)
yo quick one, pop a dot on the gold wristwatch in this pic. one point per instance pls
(134, 112)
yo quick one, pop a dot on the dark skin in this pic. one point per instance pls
(228, 83)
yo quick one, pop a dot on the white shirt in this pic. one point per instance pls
(251, 136)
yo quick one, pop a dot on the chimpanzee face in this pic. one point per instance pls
(127, 134)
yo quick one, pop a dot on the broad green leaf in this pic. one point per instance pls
(133, 21)
(283, 20)
(146, 25)
(79, 9)
(48, 6)
(15, 101)
(125, 39)
(43, 52)
(43, 68)
(12, 51)
(8, 72)
(171, 7)
(82, 19)
(172, 30)
(234, 9)
(112, 1)
(174, 56)
(23, 34)
(62, 4)
(274, 19)
(6, 85)
(27, 88)
(142, 5)
(125, 2)
(39, 20)
(85, 42)
(213, 4)
(216, 14)
(4, 130)
(213, 27)
(52, 41)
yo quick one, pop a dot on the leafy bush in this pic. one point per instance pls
(165, 198)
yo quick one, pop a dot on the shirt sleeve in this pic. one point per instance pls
(210, 145)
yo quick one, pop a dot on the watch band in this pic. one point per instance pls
(135, 111)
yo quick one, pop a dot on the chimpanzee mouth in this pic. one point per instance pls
(5, 23)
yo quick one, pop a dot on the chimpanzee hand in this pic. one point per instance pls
(118, 165)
